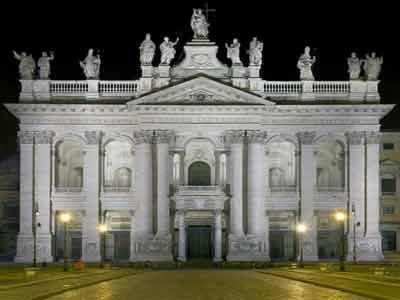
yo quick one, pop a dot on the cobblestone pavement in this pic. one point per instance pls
(205, 284)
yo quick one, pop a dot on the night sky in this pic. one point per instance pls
(331, 29)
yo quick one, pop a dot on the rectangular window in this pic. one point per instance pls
(388, 186)
(388, 146)
(388, 210)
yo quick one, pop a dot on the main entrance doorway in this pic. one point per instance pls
(199, 242)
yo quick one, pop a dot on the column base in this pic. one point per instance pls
(248, 248)
(151, 248)
(25, 245)
(368, 248)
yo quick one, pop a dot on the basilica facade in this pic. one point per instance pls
(198, 160)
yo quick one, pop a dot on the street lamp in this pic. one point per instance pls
(65, 218)
(301, 229)
(103, 230)
(35, 227)
(340, 217)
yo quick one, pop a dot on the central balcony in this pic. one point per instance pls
(189, 197)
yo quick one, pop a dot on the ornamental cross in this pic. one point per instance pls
(207, 10)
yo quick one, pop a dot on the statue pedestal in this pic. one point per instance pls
(357, 90)
(93, 90)
(147, 71)
(26, 90)
(308, 94)
(164, 72)
(41, 89)
(254, 71)
(238, 73)
(146, 81)
(372, 94)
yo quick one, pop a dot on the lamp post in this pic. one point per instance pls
(301, 228)
(35, 226)
(103, 230)
(65, 218)
(340, 217)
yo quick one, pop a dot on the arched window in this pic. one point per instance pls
(69, 164)
(199, 174)
(330, 165)
(118, 164)
(281, 164)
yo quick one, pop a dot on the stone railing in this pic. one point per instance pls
(199, 190)
(68, 189)
(329, 189)
(282, 189)
(117, 189)
(46, 90)
(356, 90)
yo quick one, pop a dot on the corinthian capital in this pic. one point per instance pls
(92, 137)
(355, 137)
(234, 136)
(143, 136)
(373, 137)
(43, 137)
(306, 137)
(256, 136)
(25, 137)
(164, 136)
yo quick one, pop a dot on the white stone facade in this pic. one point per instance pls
(267, 160)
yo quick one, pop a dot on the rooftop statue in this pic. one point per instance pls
(255, 52)
(27, 66)
(372, 66)
(199, 24)
(91, 65)
(44, 65)
(233, 52)
(305, 64)
(167, 51)
(147, 49)
(354, 64)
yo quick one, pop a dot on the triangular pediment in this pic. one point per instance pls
(200, 91)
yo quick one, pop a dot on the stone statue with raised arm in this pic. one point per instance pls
(354, 64)
(255, 52)
(233, 52)
(27, 65)
(44, 65)
(199, 24)
(91, 65)
(147, 50)
(372, 66)
(167, 51)
(305, 63)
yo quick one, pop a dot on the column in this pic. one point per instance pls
(218, 236)
(144, 184)
(90, 238)
(163, 138)
(307, 183)
(356, 187)
(256, 177)
(182, 236)
(182, 167)
(235, 139)
(217, 176)
(25, 236)
(42, 181)
(372, 245)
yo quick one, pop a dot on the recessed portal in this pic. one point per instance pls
(199, 174)
(199, 242)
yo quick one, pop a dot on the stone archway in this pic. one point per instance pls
(199, 174)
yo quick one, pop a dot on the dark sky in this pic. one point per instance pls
(331, 28)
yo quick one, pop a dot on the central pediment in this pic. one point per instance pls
(200, 90)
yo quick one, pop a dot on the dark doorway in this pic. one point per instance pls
(388, 240)
(121, 245)
(282, 245)
(199, 242)
(199, 174)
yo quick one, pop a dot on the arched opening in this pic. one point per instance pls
(199, 174)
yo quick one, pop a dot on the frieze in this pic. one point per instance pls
(43, 137)
(143, 136)
(164, 136)
(234, 136)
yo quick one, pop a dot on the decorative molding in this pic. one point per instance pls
(143, 136)
(355, 137)
(234, 136)
(43, 137)
(306, 137)
(373, 137)
(164, 136)
(92, 137)
(256, 136)
(26, 137)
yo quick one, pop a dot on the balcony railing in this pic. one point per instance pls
(117, 189)
(283, 189)
(329, 189)
(68, 189)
